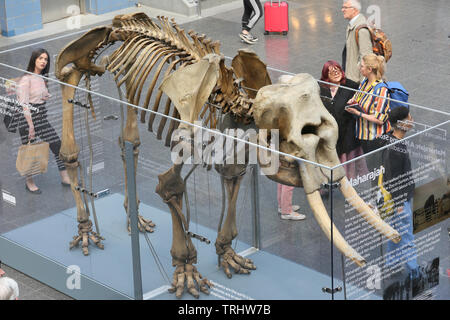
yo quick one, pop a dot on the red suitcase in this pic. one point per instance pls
(276, 17)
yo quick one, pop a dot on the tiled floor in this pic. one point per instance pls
(420, 32)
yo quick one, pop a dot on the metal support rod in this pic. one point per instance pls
(199, 8)
(331, 240)
(91, 159)
(343, 276)
(255, 207)
(132, 210)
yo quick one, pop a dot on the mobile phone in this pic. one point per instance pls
(355, 105)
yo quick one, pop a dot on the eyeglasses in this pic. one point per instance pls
(334, 71)
(345, 8)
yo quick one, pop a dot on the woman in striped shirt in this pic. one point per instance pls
(373, 108)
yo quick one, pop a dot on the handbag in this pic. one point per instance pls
(32, 158)
(11, 120)
(385, 202)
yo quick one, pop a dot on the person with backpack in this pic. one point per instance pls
(370, 105)
(355, 49)
(396, 162)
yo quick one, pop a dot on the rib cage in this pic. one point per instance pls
(147, 48)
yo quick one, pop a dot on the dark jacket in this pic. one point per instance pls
(397, 164)
(346, 122)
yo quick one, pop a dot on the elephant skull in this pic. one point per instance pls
(309, 131)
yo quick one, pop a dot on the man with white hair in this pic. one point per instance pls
(354, 51)
(9, 290)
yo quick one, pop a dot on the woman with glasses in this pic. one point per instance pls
(354, 50)
(335, 92)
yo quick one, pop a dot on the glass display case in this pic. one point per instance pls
(337, 251)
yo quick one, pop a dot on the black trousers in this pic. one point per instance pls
(374, 160)
(43, 129)
(252, 13)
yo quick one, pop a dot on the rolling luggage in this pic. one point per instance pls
(276, 17)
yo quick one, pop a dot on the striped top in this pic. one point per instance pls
(377, 106)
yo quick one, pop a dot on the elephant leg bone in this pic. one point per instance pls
(131, 134)
(183, 252)
(189, 274)
(227, 255)
(69, 155)
(85, 233)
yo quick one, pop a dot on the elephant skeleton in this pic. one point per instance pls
(196, 74)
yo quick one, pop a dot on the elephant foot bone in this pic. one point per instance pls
(85, 233)
(229, 258)
(144, 225)
(187, 275)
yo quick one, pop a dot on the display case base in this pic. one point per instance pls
(41, 250)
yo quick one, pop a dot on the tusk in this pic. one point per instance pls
(366, 212)
(322, 218)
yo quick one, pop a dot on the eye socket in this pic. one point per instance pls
(304, 96)
(309, 129)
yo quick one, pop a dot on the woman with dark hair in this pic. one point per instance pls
(32, 94)
(334, 97)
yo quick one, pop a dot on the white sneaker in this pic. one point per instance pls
(248, 38)
(294, 208)
(293, 216)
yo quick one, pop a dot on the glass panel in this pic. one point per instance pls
(413, 202)
(280, 248)
(260, 232)
(36, 229)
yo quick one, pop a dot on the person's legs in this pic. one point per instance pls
(256, 13)
(287, 209)
(252, 13)
(246, 15)
(47, 133)
(355, 168)
(410, 248)
(373, 160)
(279, 187)
(286, 199)
(404, 251)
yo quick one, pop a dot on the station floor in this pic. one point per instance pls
(419, 30)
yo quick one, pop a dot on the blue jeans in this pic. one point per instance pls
(404, 251)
